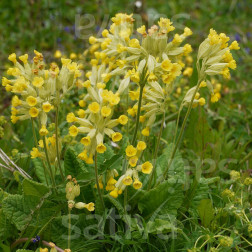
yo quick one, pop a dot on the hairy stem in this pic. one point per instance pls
(156, 152)
(97, 182)
(180, 134)
(48, 162)
(69, 228)
(138, 114)
(36, 144)
(57, 141)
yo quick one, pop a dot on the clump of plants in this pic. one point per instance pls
(102, 178)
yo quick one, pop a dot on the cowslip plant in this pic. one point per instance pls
(130, 86)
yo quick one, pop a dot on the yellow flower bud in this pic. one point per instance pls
(130, 151)
(73, 131)
(116, 137)
(147, 167)
(101, 148)
(32, 101)
(33, 112)
(43, 131)
(47, 107)
(38, 82)
(94, 107)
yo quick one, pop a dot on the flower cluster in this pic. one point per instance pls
(73, 191)
(37, 87)
(130, 177)
(96, 121)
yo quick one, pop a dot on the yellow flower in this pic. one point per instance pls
(35, 153)
(73, 131)
(146, 131)
(133, 161)
(203, 84)
(101, 148)
(33, 112)
(152, 77)
(134, 43)
(114, 193)
(13, 58)
(141, 30)
(89, 160)
(57, 54)
(24, 58)
(127, 180)
(82, 103)
(147, 167)
(87, 84)
(105, 111)
(177, 39)
(202, 101)
(94, 107)
(141, 145)
(130, 151)
(187, 31)
(43, 131)
(137, 184)
(106, 77)
(5, 81)
(123, 119)
(14, 119)
(65, 62)
(101, 85)
(234, 46)
(188, 71)
(116, 137)
(81, 113)
(166, 65)
(105, 33)
(92, 40)
(43, 250)
(73, 56)
(16, 101)
(142, 119)
(47, 107)
(90, 207)
(71, 117)
(38, 82)
(215, 97)
(135, 77)
(86, 141)
(32, 101)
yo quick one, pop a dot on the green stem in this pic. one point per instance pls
(57, 141)
(180, 134)
(138, 114)
(36, 144)
(156, 151)
(48, 162)
(69, 228)
(97, 181)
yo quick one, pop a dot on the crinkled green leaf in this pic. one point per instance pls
(163, 200)
(34, 188)
(206, 212)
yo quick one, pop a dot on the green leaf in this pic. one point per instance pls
(34, 188)
(19, 211)
(176, 172)
(112, 163)
(206, 212)
(6, 228)
(39, 170)
(164, 200)
(159, 226)
(73, 165)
